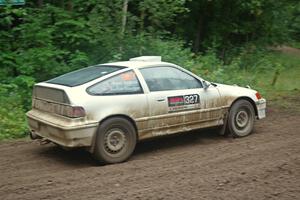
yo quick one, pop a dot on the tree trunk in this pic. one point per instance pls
(70, 5)
(124, 16)
(198, 35)
(40, 3)
(142, 18)
(62, 4)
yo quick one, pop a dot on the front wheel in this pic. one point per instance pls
(241, 118)
(115, 141)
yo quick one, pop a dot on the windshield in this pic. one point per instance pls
(84, 75)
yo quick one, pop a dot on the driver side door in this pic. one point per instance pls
(177, 100)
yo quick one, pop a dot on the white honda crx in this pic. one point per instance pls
(107, 108)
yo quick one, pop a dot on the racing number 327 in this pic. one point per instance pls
(183, 100)
(191, 99)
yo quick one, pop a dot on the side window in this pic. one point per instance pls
(168, 78)
(124, 83)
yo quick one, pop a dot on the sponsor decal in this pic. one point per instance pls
(184, 102)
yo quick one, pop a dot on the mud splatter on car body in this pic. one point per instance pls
(70, 115)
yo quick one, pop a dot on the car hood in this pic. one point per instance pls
(232, 92)
(234, 88)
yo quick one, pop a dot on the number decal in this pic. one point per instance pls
(184, 102)
(191, 99)
(196, 97)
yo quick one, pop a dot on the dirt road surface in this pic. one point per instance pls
(201, 165)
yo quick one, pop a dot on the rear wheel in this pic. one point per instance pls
(241, 118)
(115, 141)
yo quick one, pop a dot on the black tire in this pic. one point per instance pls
(115, 141)
(241, 119)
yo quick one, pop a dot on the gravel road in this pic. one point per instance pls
(198, 165)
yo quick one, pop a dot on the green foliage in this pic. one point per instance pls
(12, 118)
(234, 23)
(160, 13)
(171, 50)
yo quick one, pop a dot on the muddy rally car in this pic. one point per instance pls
(108, 108)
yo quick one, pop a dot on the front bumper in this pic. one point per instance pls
(261, 106)
(61, 130)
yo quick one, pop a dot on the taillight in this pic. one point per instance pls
(75, 111)
(258, 96)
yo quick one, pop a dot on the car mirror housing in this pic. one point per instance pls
(205, 84)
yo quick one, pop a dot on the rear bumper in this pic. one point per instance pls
(61, 130)
(261, 106)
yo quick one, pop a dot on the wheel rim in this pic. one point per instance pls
(242, 119)
(115, 141)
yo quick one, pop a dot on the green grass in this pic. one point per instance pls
(286, 91)
(295, 44)
(289, 76)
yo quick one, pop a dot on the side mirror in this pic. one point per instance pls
(205, 84)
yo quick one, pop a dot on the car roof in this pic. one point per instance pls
(141, 62)
(138, 64)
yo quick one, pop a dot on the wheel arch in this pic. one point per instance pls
(122, 116)
(247, 99)
(109, 117)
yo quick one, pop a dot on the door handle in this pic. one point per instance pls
(160, 99)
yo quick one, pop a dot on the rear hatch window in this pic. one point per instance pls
(51, 94)
(85, 75)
